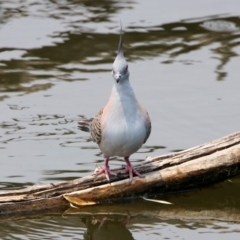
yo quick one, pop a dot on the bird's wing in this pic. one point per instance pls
(148, 124)
(95, 127)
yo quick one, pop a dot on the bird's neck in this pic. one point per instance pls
(123, 98)
(123, 91)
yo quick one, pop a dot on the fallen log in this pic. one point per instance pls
(199, 166)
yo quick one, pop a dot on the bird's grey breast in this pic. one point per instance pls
(124, 131)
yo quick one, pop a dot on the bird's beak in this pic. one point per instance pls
(118, 77)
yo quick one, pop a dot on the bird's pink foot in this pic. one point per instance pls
(106, 170)
(131, 170)
(107, 173)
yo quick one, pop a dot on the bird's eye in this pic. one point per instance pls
(126, 68)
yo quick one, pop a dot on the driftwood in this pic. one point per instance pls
(199, 166)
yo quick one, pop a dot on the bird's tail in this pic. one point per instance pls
(84, 125)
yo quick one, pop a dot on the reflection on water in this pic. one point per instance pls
(46, 62)
(107, 228)
(116, 227)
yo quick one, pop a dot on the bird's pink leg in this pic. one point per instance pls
(130, 169)
(106, 170)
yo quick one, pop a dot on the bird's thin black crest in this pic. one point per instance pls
(120, 48)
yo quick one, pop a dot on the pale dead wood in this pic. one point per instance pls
(203, 171)
(198, 166)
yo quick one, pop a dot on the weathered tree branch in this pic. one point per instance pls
(198, 166)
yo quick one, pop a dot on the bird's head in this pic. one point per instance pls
(120, 67)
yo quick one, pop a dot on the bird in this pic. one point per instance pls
(122, 125)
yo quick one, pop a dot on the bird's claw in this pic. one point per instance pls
(99, 170)
(131, 170)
